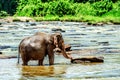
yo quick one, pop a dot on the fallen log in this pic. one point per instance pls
(88, 59)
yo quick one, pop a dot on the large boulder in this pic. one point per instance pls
(88, 59)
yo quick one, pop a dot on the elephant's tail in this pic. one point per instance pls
(18, 55)
(19, 52)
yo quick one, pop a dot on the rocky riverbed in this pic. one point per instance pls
(85, 40)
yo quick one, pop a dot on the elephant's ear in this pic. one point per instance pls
(51, 40)
(58, 40)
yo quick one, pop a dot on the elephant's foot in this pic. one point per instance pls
(40, 62)
(51, 61)
(25, 63)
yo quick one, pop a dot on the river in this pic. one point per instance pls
(86, 40)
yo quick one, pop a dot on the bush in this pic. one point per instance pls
(102, 7)
(8, 6)
(46, 0)
(83, 9)
(3, 14)
(40, 9)
(115, 11)
(28, 10)
(60, 8)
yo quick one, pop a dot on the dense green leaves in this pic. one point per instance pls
(61, 8)
(42, 8)
(8, 6)
(36, 8)
(3, 13)
(102, 7)
(115, 10)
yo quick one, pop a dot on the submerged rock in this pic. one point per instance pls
(87, 59)
(4, 47)
(58, 29)
(103, 43)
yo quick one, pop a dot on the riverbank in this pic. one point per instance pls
(91, 12)
(89, 20)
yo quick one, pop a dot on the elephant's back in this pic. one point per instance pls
(34, 47)
(23, 44)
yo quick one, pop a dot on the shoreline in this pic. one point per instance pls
(10, 19)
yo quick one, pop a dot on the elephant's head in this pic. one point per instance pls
(58, 42)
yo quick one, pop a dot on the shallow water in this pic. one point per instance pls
(92, 40)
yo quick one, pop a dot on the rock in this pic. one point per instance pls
(0, 52)
(116, 23)
(33, 24)
(6, 57)
(89, 23)
(103, 43)
(89, 59)
(57, 29)
(4, 47)
(95, 24)
(100, 24)
(19, 19)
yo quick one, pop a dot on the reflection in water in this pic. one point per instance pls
(31, 71)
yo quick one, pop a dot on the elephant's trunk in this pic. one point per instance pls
(65, 54)
(63, 51)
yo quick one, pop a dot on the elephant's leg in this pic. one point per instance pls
(25, 63)
(41, 62)
(25, 60)
(51, 58)
(50, 54)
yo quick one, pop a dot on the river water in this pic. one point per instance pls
(85, 41)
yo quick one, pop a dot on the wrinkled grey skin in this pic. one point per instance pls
(36, 47)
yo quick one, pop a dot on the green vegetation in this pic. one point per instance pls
(8, 6)
(92, 11)
(3, 13)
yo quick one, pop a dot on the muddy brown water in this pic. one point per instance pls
(85, 41)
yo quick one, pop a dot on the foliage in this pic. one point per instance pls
(91, 1)
(60, 8)
(102, 7)
(3, 13)
(8, 6)
(46, 0)
(42, 9)
(83, 9)
(30, 8)
(115, 11)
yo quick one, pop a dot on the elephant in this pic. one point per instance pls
(37, 46)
